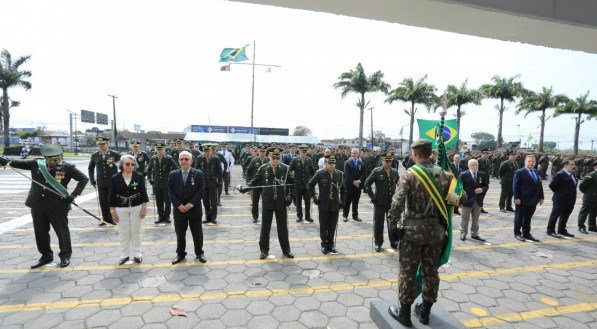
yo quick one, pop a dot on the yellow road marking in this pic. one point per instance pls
(549, 301)
(478, 311)
(517, 317)
(266, 292)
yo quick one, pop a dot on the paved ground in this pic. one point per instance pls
(501, 284)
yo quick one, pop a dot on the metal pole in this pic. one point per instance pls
(76, 139)
(372, 139)
(114, 121)
(253, 88)
(72, 144)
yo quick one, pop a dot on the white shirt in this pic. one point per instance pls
(320, 163)
(228, 156)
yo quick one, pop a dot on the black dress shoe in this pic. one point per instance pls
(123, 260)
(289, 254)
(324, 250)
(592, 229)
(503, 210)
(299, 219)
(177, 259)
(263, 255)
(219, 204)
(483, 211)
(403, 317)
(255, 220)
(583, 230)
(202, 258)
(356, 219)
(462, 236)
(530, 237)
(394, 246)
(456, 212)
(167, 220)
(478, 238)
(510, 209)
(566, 234)
(41, 263)
(138, 260)
(64, 262)
(206, 221)
(520, 238)
(213, 221)
(102, 224)
(554, 234)
(309, 219)
(333, 251)
(377, 248)
(157, 221)
(345, 219)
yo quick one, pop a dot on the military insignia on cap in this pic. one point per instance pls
(102, 139)
(160, 145)
(135, 143)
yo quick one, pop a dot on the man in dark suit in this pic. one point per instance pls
(528, 192)
(475, 183)
(464, 162)
(563, 185)
(506, 173)
(186, 192)
(354, 178)
(287, 158)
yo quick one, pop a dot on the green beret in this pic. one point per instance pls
(421, 144)
(49, 150)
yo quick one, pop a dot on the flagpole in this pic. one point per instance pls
(253, 92)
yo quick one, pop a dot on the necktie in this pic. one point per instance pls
(475, 177)
(184, 176)
(356, 163)
(533, 174)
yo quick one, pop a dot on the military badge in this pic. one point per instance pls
(140, 159)
(134, 185)
(59, 175)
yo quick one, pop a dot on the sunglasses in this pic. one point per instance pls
(129, 164)
(275, 157)
(184, 159)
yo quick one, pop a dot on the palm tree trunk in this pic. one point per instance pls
(499, 136)
(458, 115)
(412, 123)
(577, 133)
(542, 131)
(361, 114)
(5, 117)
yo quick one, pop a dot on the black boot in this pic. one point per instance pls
(422, 311)
(404, 316)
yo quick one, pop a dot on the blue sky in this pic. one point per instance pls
(161, 59)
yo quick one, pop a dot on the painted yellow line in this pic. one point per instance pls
(518, 317)
(170, 298)
(522, 244)
(506, 271)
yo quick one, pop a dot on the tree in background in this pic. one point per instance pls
(10, 77)
(484, 140)
(356, 81)
(302, 131)
(379, 138)
(578, 107)
(459, 96)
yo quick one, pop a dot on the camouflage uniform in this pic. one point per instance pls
(423, 233)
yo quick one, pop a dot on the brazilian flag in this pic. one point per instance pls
(233, 55)
(428, 130)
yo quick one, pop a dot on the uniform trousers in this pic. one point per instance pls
(103, 193)
(162, 200)
(302, 193)
(353, 194)
(42, 219)
(379, 219)
(255, 202)
(506, 196)
(328, 221)
(588, 209)
(129, 231)
(210, 202)
(266, 227)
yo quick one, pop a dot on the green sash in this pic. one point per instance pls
(50, 179)
(432, 187)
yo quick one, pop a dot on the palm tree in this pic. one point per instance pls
(414, 92)
(504, 89)
(10, 76)
(356, 81)
(455, 96)
(579, 106)
(540, 102)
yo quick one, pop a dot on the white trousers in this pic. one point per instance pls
(129, 230)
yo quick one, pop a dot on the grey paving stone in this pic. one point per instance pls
(350, 299)
(313, 319)
(236, 318)
(333, 308)
(211, 311)
(129, 322)
(286, 313)
(306, 303)
(103, 318)
(263, 322)
(342, 323)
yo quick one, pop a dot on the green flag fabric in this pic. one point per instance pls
(428, 130)
(233, 55)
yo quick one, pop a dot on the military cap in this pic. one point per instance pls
(364, 149)
(421, 143)
(205, 146)
(101, 140)
(311, 146)
(485, 150)
(388, 156)
(135, 143)
(224, 143)
(179, 139)
(274, 144)
(159, 145)
(50, 150)
(303, 146)
(275, 151)
(330, 158)
(262, 148)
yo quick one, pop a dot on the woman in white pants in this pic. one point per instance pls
(128, 206)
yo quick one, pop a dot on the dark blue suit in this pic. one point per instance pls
(563, 186)
(181, 194)
(529, 191)
(353, 193)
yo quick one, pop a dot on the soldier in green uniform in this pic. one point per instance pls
(194, 149)
(224, 164)
(141, 157)
(246, 153)
(158, 170)
(423, 232)
(302, 169)
(276, 197)
(385, 179)
(341, 157)
(103, 162)
(588, 187)
(210, 165)
(178, 142)
(171, 146)
(329, 201)
(152, 151)
(252, 169)
(506, 174)
(484, 166)
(47, 208)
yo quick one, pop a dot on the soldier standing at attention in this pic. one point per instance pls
(506, 173)
(224, 165)
(174, 152)
(194, 149)
(385, 179)
(47, 208)
(485, 166)
(423, 231)
(329, 201)
(158, 170)
(152, 151)
(229, 163)
(276, 198)
(212, 171)
(252, 169)
(141, 157)
(303, 169)
(103, 162)
(588, 187)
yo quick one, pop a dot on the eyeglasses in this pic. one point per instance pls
(275, 157)
(184, 159)
(129, 164)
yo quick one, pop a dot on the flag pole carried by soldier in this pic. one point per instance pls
(50, 200)
(425, 194)
(160, 166)
(103, 163)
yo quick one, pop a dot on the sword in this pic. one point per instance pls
(58, 194)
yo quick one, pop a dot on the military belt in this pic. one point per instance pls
(420, 221)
